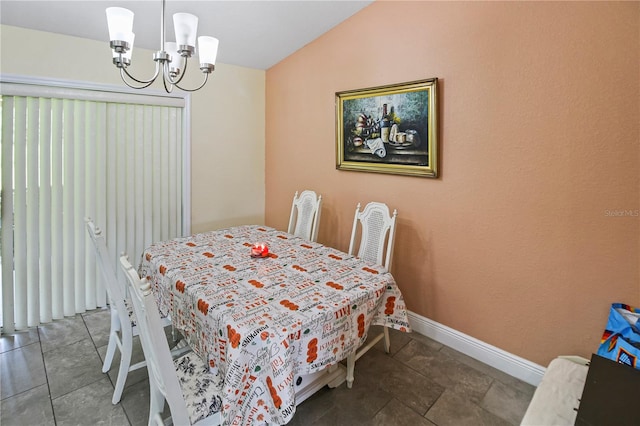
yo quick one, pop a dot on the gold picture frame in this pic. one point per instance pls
(389, 129)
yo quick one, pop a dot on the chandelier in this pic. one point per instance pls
(171, 60)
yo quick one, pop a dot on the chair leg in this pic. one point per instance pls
(111, 350)
(156, 403)
(351, 359)
(113, 337)
(125, 361)
(351, 363)
(387, 341)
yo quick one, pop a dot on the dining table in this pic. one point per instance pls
(266, 319)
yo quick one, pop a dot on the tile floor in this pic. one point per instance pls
(51, 375)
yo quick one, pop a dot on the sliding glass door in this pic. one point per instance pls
(68, 154)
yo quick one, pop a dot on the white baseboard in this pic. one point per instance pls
(511, 364)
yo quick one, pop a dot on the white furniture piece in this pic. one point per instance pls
(305, 215)
(192, 392)
(377, 232)
(122, 318)
(557, 397)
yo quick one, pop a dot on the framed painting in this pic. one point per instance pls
(389, 129)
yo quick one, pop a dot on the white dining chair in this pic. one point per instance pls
(122, 318)
(304, 219)
(376, 243)
(192, 392)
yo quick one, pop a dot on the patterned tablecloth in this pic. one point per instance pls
(261, 321)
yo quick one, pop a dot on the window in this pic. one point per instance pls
(70, 153)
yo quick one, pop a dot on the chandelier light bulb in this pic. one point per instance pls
(207, 50)
(120, 21)
(172, 50)
(186, 28)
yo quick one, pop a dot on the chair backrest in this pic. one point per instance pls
(115, 291)
(377, 226)
(162, 371)
(305, 215)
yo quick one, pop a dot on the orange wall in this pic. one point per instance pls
(514, 244)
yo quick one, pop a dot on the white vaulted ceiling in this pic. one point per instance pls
(255, 34)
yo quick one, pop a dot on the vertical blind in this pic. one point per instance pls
(66, 157)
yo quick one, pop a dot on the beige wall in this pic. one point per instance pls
(227, 118)
(539, 136)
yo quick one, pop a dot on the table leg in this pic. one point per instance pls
(351, 363)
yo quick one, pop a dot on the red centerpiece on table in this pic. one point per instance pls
(259, 250)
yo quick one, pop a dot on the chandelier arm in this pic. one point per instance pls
(166, 78)
(184, 61)
(151, 80)
(206, 77)
(167, 74)
(168, 89)
(124, 72)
